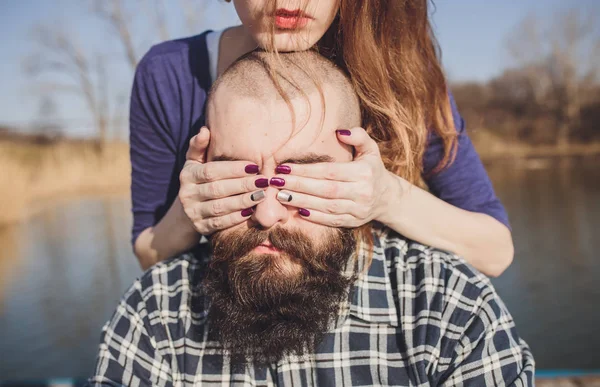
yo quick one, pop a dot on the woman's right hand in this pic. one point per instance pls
(217, 194)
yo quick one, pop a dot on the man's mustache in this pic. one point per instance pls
(239, 243)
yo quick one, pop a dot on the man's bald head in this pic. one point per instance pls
(285, 78)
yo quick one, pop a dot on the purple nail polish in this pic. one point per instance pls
(251, 168)
(262, 183)
(303, 212)
(344, 132)
(277, 182)
(283, 169)
(247, 212)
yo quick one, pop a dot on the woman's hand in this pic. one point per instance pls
(340, 194)
(218, 194)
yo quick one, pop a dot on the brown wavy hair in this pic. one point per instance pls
(389, 50)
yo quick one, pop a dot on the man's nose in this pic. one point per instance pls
(270, 211)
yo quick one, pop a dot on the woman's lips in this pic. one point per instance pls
(286, 19)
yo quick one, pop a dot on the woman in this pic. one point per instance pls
(388, 49)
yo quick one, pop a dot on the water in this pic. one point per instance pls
(63, 271)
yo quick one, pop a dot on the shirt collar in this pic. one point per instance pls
(372, 298)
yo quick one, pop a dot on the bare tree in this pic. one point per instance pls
(80, 72)
(151, 13)
(114, 12)
(559, 63)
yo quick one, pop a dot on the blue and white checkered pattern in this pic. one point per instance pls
(417, 317)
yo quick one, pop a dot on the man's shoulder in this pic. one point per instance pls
(170, 285)
(426, 262)
(437, 283)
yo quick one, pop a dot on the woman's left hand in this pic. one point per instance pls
(340, 194)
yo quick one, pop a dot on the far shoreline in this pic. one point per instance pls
(37, 173)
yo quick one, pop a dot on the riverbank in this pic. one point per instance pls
(36, 170)
(587, 381)
(491, 148)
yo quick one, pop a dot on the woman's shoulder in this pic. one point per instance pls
(187, 56)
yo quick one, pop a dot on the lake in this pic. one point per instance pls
(63, 271)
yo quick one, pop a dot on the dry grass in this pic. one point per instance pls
(32, 173)
(492, 147)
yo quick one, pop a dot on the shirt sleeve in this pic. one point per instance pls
(128, 355)
(464, 183)
(488, 351)
(153, 149)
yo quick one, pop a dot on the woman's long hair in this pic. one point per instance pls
(390, 52)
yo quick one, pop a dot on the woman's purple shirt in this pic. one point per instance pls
(167, 109)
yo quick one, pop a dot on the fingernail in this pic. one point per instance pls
(283, 196)
(251, 168)
(277, 182)
(262, 183)
(303, 212)
(258, 195)
(247, 212)
(286, 170)
(344, 132)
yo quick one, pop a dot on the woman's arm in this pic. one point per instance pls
(480, 239)
(471, 220)
(159, 229)
(173, 234)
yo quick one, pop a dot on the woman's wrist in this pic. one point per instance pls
(389, 212)
(177, 228)
(173, 234)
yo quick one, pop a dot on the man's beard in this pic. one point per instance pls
(266, 306)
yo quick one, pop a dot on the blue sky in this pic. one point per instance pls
(472, 34)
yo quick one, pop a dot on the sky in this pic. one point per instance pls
(472, 35)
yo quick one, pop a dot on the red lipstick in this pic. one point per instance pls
(286, 19)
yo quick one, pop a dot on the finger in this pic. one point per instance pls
(198, 145)
(328, 206)
(341, 171)
(198, 173)
(228, 205)
(223, 188)
(210, 225)
(329, 189)
(360, 140)
(330, 220)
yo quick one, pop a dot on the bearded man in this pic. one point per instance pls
(280, 300)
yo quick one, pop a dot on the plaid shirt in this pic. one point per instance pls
(417, 317)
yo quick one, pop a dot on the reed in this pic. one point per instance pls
(33, 173)
(492, 147)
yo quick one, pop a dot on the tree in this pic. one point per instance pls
(560, 65)
(83, 70)
(79, 71)
(114, 12)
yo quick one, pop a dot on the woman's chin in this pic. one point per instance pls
(288, 40)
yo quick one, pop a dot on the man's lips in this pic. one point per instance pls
(286, 19)
(266, 248)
